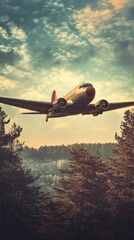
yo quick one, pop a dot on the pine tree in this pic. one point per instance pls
(25, 211)
(125, 147)
(82, 198)
(123, 179)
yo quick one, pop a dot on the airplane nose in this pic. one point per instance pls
(90, 91)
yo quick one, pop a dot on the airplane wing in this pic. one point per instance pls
(96, 109)
(113, 106)
(38, 106)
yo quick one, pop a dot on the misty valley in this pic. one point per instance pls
(47, 171)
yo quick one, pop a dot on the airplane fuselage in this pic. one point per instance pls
(80, 96)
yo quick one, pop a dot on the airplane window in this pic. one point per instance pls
(86, 85)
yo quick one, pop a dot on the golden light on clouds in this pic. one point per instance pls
(7, 84)
(18, 33)
(118, 4)
(92, 21)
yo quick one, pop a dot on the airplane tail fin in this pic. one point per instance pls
(53, 97)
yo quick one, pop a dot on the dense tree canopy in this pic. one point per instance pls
(23, 207)
(83, 195)
(96, 197)
(123, 178)
(48, 153)
(93, 200)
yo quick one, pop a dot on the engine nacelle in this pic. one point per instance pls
(59, 105)
(62, 102)
(100, 107)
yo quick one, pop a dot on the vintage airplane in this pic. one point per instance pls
(78, 101)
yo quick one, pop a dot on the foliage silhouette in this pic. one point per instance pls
(24, 210)
(94, 200)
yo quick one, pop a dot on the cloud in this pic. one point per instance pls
(61, 80)
(23, 78)
(116, 89)
(107, 33)
(6, 84)
(118, 4)
(4, 33)
(47, 45)
(48, 36)
(68, 38)
(14, 49)
(18, 33)
(35, 93)
(24, 53)
(124, 53)
(89, 21)
(55, 4)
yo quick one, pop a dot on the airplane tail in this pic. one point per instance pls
(53, 97)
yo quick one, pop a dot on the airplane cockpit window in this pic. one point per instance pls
(85, 85)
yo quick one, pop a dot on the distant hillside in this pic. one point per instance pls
(62, 152)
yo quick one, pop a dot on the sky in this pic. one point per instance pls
(58, 44)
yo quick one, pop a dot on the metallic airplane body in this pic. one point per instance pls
(78, 101)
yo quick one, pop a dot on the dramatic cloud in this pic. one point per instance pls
(56, 44)
(90, 21)
(118, 4)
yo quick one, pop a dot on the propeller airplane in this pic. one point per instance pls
(77, 101)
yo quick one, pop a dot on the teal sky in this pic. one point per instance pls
(47, 45)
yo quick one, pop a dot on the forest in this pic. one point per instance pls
(94, 199)
(62, 152)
